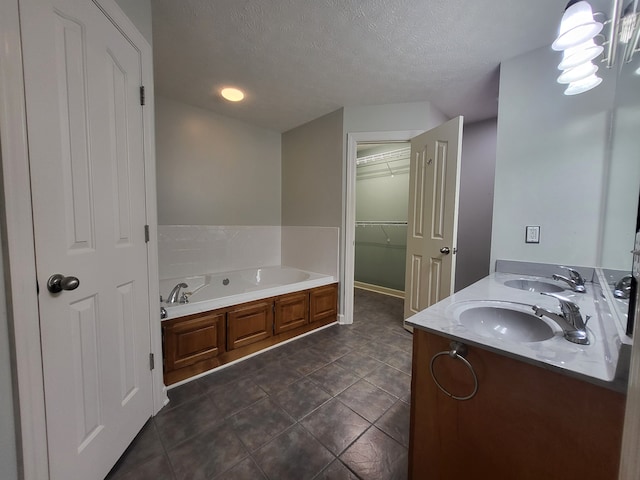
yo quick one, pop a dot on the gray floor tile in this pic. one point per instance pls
(379, 350)
(245, 470)
(331, 349)
(335, 425)
(395, 423)
(367, 400)
(157, 468)
(144, 447)
(258, 424)
(375, 456)
(208, 454)
(184, 393)
(333, 378)
(336, 471)
(294, 455)
(359, 363)
(305, 361)
(235, 396)
(391, 380)
(301, 398)
(275, 377)
(401, 361)
(186, 420)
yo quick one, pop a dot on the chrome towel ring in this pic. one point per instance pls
(458, 351)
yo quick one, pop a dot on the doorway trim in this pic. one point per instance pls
(350, 204)
(18, 240)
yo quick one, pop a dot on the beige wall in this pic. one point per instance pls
(312, 173)
(475, 211)
(214, 170)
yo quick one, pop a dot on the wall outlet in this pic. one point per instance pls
(532, 234)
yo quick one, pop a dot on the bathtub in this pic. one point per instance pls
(218, 290)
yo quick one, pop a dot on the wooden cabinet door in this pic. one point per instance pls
(323, 303)
(249, 323)
(192, 339)
(291, 311)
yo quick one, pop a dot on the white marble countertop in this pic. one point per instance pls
(596, 362)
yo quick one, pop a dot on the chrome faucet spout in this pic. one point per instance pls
(623, 287)
(574, 327)
(175, 293)
(575, 280)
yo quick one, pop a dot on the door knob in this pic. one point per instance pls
(445, 250)
(59, 282)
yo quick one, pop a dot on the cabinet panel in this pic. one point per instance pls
(249, 323)
(291, 311)
(525, 422)
(192, 339)
(323, 303)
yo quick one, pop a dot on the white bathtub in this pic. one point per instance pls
(218, 290)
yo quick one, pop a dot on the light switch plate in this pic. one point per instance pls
(532, 234)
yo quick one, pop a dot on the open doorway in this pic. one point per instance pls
(381, 208)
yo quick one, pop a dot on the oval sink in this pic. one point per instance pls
(502, 320)
(533, 286)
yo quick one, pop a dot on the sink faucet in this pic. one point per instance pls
(623, 287)
(175, 294)
(575, 329)
(576, 282)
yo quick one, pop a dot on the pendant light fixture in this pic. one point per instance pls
(577, 31)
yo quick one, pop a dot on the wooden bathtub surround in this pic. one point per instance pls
(524, 423)
(197, 343)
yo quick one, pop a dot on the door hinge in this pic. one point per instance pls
(152, 361)
(146, 234)
(142, 95)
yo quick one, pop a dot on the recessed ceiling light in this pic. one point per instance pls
(232, 94)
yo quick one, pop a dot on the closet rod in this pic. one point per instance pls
(388, 223)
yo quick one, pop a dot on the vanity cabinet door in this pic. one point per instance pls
(249, 323)
(192, 340)
(323, 303)
(291, 311)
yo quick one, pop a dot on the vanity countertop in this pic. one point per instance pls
(596, 363)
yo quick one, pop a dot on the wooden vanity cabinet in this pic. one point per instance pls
(249, 323)
(191, 344)
(323, 303)
(524, 423)
(291, 311)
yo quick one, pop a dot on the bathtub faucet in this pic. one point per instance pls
(175, 294)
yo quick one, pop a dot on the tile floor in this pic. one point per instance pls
(332, 405)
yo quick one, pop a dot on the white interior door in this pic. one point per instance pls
(434, 182)
(84, 120)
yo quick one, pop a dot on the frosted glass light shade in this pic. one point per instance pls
(574, 56)
(577, 26)
(577, 73)
(583, 85)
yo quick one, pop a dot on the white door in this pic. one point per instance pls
(84, 120)
(434, 182)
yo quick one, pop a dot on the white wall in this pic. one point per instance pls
(392, 117)
(139, 12)
(214, 170)
(8, 458)
(476, 202)
(550, 163)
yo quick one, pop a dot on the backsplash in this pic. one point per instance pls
(185, 250)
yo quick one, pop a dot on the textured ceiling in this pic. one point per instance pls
(300, 59)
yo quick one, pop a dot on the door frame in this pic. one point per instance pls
(350, 207)
(18, 239)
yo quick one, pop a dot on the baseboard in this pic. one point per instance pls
(378, 289)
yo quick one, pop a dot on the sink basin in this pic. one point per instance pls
(503, 320)
(533, 286)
